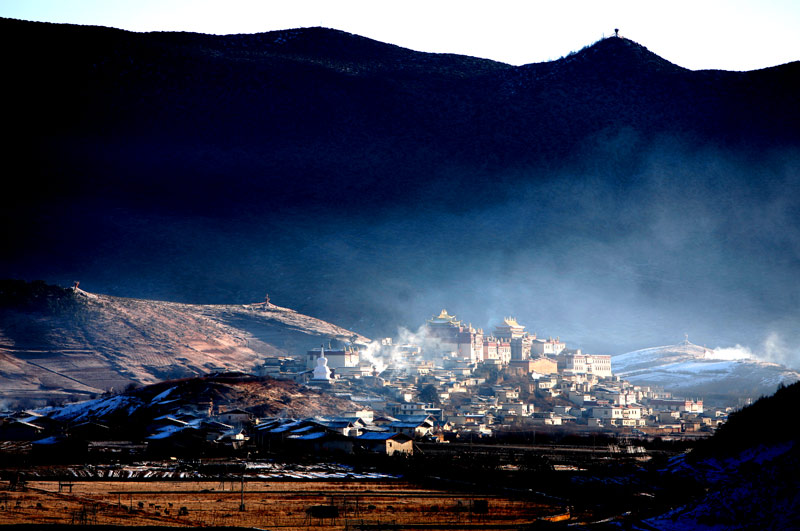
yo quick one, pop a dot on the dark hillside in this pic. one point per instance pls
(760, 424)
(744, 477)
(366, 184)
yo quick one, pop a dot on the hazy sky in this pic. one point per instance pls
(696, 34)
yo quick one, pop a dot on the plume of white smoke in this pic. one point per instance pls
(776, 350)
(374, 355)
(400, 352)
(730, 353)
(773, 349)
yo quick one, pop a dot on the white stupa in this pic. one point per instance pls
(321, 372)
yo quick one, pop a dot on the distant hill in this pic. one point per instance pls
(693, 371)
(60, 342)
(366, 184)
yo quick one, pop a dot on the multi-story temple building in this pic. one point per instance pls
(454, 336)
(519, 340)
(510, 343)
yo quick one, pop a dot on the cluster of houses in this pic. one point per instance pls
(354, 432)
(193, 429)
(457, 365)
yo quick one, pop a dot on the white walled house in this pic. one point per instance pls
(607, 412)
(543, 347)
(344, 357)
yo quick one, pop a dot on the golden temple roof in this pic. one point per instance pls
(445, 315)
(443, 318)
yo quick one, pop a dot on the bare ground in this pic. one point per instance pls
(281, 505)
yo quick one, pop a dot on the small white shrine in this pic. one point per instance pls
(321, 372)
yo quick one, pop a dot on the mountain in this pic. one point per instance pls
(690, 370)
(368, 184)
(64, 342)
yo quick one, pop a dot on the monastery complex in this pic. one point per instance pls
(463, 378)
(510, 345)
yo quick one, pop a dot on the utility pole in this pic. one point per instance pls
(241, 500)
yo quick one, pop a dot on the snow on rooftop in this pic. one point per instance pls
(162, 395)
(49, 440)
(165, 432)
(97, 407)
(308, 437)
(378, 435)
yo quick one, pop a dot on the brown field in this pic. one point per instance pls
(273, 505)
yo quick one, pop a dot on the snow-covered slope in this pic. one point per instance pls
(718, 375)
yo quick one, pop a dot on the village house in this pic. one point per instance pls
(273, 432)
(407, 408)
(320, 442)
(387, 443)
(517, 408)
(687, 406)
(579, 397)
(233, 439)
(236, 417)
(606, 413)
(547, 383)
(668, 417)
(414, 426)
(346, 427)
(473, 381)
(365, 415)
(171, 439)
(271, 367)
(18, 430)
(544, 347)
(575, 362)
(506, 394)
(546, 418)
(359, 371)
(481, 430)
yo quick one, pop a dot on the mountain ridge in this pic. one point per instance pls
(690, 370)
(220, 174)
